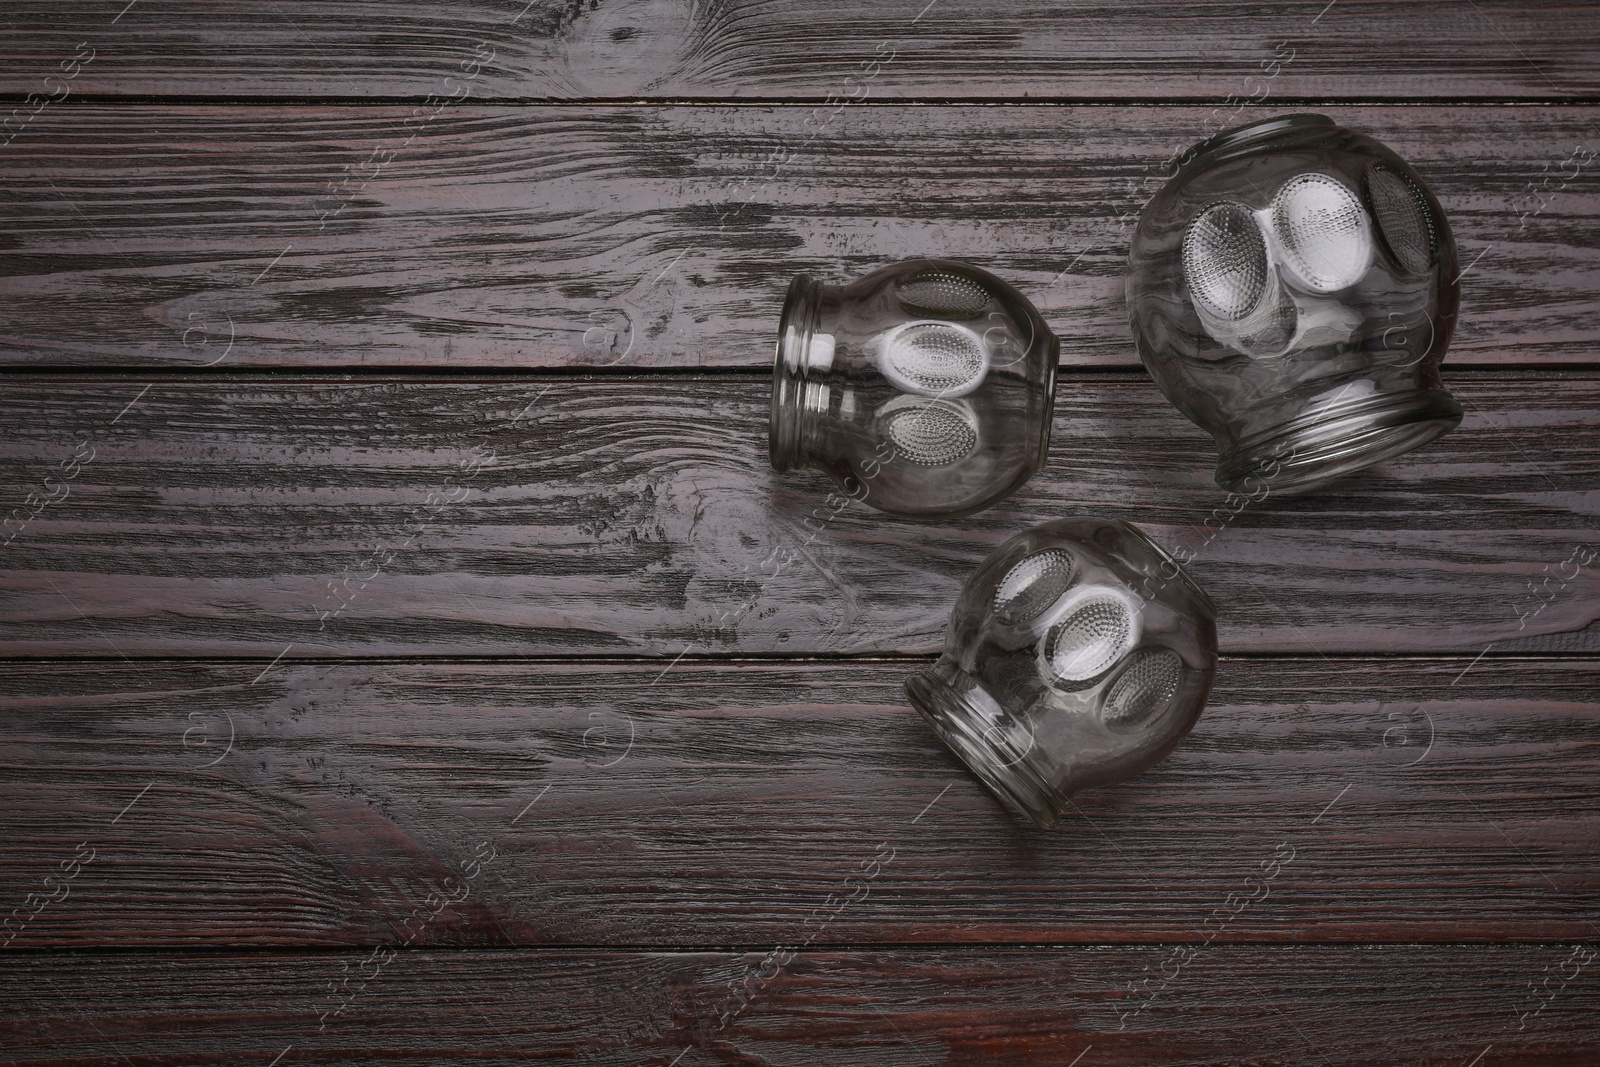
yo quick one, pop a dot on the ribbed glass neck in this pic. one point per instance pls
(787, 430)
(1252, 131)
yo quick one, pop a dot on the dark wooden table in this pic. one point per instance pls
(394, 667)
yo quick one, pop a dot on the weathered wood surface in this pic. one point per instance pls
(617, 516)
(655, 237)
(1385, 857)
(553, 49)
(1418, 1005)
(726, 803)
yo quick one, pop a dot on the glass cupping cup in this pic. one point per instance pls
(924, 389)
(1292, 290)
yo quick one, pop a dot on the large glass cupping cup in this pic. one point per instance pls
(924, 389)
(1078, 655)
(1292, 289)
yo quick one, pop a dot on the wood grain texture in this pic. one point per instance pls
(725, 803)
(581, 517)
(556, 49)
(536, 710)
(1418, 1005)
(656, 237)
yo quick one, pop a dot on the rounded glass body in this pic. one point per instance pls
(1078, 655)
(924, 389)
(1292, 289)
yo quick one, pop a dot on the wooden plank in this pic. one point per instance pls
(746, 803)
(652, 237)
(581, 517)
(631, 49)
(1421, 1005)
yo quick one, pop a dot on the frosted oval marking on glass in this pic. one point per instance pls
(1032, 585)
(1323, 231)
(945, 293)
(1225, 261)
(934, 359)
(1094, 630)
(1404, 224)
(930, 433)
(1144, 689)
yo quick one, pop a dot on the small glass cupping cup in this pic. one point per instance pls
(1292, 290)
(1078, 654)
(924, 389)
